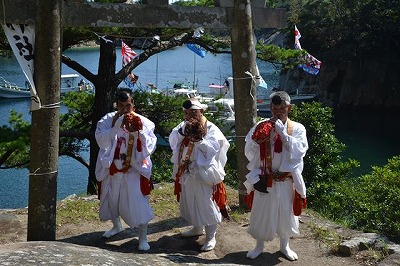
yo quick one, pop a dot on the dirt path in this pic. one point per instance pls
(232, 241)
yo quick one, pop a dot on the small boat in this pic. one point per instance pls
(69, 82)
(224, 110)
(181, 90)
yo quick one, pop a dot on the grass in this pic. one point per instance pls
(77, 209)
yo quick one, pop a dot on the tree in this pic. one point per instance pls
(106, 83)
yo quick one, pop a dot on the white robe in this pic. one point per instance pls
(272, 213)
(206, 169)
(120, 193)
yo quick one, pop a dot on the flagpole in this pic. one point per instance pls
(157, 73)
(194, 69)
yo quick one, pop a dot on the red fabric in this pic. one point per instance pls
(146, 185)
(248, 199)
(298, 204)
(177, 189)
(219, 195)
(114, 169)
(278, 143)
(186, 141)
(139, 144)
(262, 131)
(220, 198)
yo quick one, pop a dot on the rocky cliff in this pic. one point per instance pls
(368, 85)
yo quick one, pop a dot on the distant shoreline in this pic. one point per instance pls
(90, 44)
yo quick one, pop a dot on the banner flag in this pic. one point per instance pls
(312, 65)
(22, 41)
(127, 56)
(196, 49)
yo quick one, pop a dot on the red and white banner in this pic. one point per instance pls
(312, 65)
(127, 54)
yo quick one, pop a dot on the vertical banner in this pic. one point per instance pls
(312, 65)
(127, 56)
(22, 41)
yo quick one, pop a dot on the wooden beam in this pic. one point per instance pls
(89, 14)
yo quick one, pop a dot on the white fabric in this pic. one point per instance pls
(120, 193)
(22, 41)
(272, 213)
(208, 160)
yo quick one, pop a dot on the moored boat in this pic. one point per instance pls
(69, 83)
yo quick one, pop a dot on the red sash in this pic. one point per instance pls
(182, 165)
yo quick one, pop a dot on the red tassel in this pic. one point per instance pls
(278, 144)
(177, 189)
(186, 141)
(248, 199)
(139, 144)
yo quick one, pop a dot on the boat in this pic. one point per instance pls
(69, 83)
(263, 92)
(224, 110)
(182, 90)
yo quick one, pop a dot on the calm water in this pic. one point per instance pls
(367, 143)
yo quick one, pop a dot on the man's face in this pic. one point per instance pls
(281, 110)
(125, 107)
(193, 113)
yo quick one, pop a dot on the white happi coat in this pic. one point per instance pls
(206, 169)
(120, 193)
(272, 213)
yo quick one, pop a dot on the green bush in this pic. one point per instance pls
(371, 202)
(323, 165)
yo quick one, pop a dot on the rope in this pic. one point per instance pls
(35, 174)
(254, 78)
(51, 105)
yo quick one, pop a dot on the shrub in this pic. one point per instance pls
(323, 165)
(371, 202)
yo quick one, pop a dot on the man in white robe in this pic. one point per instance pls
(199, 160)
(272, 208)
(124, 168)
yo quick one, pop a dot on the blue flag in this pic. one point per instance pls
(197, 49)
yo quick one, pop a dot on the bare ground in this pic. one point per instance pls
(233, 241)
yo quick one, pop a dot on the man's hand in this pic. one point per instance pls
(280, 128)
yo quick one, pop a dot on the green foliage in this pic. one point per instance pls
(208, 3)
(272, 53)
(162, 166)
(165, 112)
(370, 202)
(77, 119)
(350, 29)
(323, 165)
(15, 141)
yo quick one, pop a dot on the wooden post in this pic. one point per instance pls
(243, 59)
(45, 123)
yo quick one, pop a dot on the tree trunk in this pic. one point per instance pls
(106, 87)
(45, 124)
(243, 59)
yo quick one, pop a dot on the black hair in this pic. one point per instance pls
(279, 96)
(123, 95)
(276, 100)
(187, 104)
